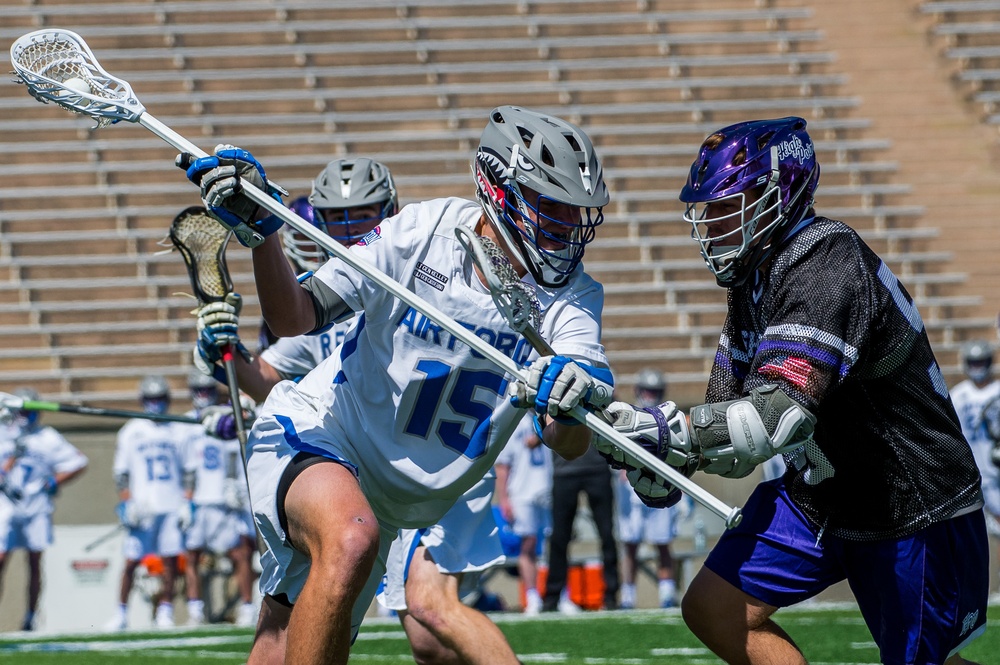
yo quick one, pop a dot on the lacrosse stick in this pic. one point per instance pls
(103, 539)
(11, 403)
(518, 303)
(202, 241)
(47, 61)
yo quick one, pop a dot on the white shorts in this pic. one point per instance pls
(466, 541)
(159, 534)
(216, 529)
(638, 523)
(531, 518)
(283, 568)
(29, 533)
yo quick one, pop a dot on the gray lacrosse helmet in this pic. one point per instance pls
(977, 360)
(650, 387)
(204, 390)
(26, 420)
(556, 160)
(154, 394)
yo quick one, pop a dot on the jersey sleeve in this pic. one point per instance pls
(291, 357)
(572, 324)
(66, 458)
(819, 309)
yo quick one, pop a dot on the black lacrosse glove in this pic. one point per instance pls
(221, 176)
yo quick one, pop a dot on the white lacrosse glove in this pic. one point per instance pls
(734, 437)
(555, 385)
(130, 514)
(221, 176)
(218, 326)
(231, 494)
(662, 430)
(185, 515)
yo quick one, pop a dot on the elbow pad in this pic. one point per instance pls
(121, 481)
(734, 437)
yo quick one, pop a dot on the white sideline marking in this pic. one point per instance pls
(125, 645)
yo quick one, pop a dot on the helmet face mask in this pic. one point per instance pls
(349, 198)
(542, 189)
(752, 184)
(154, 395)
(977, 361)
(204, 391)
(650, 388)
(26, 420)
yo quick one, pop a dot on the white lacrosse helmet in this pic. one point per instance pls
(650, 387)
(554, 159)
(204, 390)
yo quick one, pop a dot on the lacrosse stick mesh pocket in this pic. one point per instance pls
(202, 241)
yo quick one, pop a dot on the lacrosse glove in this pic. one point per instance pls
(8, 490)
(220, 423)
(129, 514)
(555, 385)
(221, 177)
(185, 515)
(218, 326)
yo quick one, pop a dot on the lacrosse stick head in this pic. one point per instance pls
(515, 299)
(202, 242)
(57, 66)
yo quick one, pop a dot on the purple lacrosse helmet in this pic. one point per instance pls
(768, 168)
(304, 254)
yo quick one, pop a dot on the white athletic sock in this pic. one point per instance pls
(627, 596)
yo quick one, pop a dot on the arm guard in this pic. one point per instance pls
(121, 481)
(734, 437)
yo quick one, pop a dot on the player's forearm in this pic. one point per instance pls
(286, 307)
(567, 441)
(256, 378)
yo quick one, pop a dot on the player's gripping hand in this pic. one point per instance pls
(129, 514)
(185, 515)
(9, 490)
(652, 490)
(662, 430)
(221, 178)
(218, 326)
(219, 421)
(555, 385)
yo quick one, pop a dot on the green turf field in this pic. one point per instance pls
(827, 636)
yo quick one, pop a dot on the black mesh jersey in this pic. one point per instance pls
(828, 321)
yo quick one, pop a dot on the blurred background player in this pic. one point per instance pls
(148, 467)
(524, 495)
(977, 401)
(639, 523)
(349, 198)
(590, 476)
(34, 463)
(216, 516)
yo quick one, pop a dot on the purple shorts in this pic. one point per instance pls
(938, 578)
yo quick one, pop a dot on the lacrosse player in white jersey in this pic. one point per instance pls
(216, 514)
(350, 197)
(148, 467)
(391, 430)
(35, 461)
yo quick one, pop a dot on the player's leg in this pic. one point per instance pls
(241, 556)
(3, 570)
(565, 493)
(601, 498)
(667, 587)
(924, 596)
(192, 582)
(527, 570)
(270, 640)
(34, 588)
(169, 545)
(329, 520)
(770, 560)
(630, 565)
(442, 630)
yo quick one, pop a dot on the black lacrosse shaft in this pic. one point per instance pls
(34, 405)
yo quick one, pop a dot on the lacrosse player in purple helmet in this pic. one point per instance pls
(391, 430)
(824, 359)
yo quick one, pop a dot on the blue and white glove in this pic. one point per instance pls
(51, 487)
(221, 176)
(218, 326)
(185, 515)
(129, 514)
(555, 385)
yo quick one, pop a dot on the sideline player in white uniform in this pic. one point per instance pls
(524, 493)
(639, 523)
(35, 461)
(390, 431)
(977, 402)
(216, 515)
(149, 463)
(350, 198)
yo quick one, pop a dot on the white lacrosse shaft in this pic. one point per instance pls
(127, 107)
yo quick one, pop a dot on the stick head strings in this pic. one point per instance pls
(57, 66)
(202, 242)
